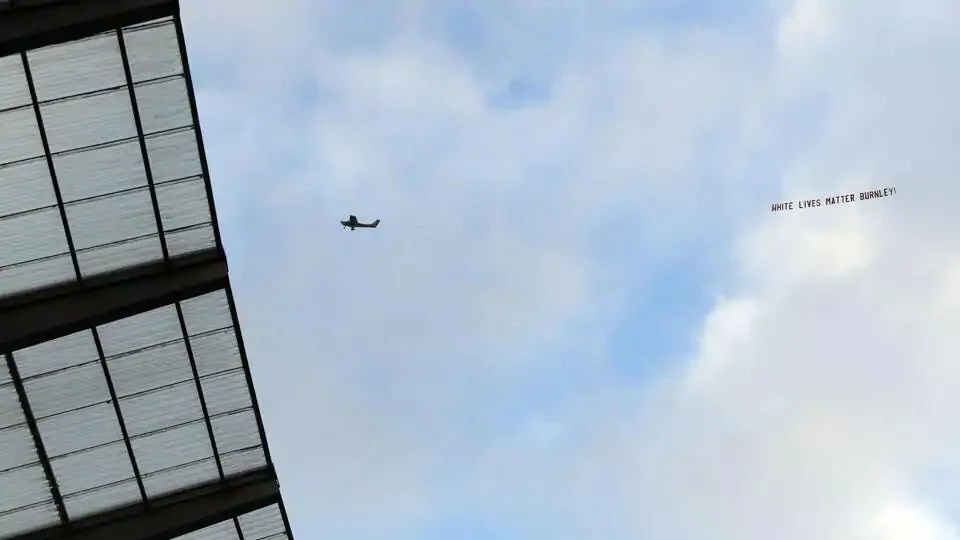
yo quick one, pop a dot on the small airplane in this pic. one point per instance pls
(353, 223)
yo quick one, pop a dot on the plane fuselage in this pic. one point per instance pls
(353, 223)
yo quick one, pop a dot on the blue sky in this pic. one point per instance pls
(579, 318)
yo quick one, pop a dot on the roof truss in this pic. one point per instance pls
(176, 514)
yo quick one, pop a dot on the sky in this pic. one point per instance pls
(579, 318)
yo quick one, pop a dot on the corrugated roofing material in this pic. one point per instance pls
(167, 368)
(27, 502)
(100, 170)
(103, 165)
(263, 524)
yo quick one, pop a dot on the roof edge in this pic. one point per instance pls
(49, 24)
(174, 514)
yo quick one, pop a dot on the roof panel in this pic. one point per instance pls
(89, 120)
(100, 171)
(79, 430)
(151, 368)
(13, 84)
(76, 67)
(190, 240)
(225, 530)
(170, 480)
(243, 460)
(23, 487)
(262, 523)
(236, 431)
(216, 351)
(123, 254)
(16, 447)
(67, 390)
(163, 104)
(153, 52)
(72, 350)
(173, 155)
(32, 236)
(35, 274)
(207, 313)
(25, 186)
(92, 469)
(103, 498)
(140, 331)
(111, 218)
(161, 409)
(25, 519)
(20, 135)
(10, 412)
(183, 203)
(150, 24)
(172, 448)
(226, 392)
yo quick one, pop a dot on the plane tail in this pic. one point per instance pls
(375, 223)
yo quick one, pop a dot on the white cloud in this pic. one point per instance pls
(805, 27)
(725, 339)
(840, 391)
(825, 376)
(908, 520)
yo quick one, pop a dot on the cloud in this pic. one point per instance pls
(534, 164)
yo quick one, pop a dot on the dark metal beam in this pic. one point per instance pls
(235, 318)
(119, 413)
(50, 168)
(45, 315)
(30, 28)
(199, 386)
(144, 155)
(37, 440)
(236, 525)
(286, 521)
(174, 515)
(192, 98)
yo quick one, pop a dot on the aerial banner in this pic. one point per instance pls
(803, 204)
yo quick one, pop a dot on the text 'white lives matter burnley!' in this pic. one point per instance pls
(834, 200)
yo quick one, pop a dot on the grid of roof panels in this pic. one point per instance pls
(102, 169)
(127, 411)
(263, 524)
(100, 164)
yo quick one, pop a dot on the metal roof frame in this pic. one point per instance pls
(27, 26)
(175, 514)
(31, 317)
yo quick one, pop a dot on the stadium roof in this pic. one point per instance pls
(127, 407)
